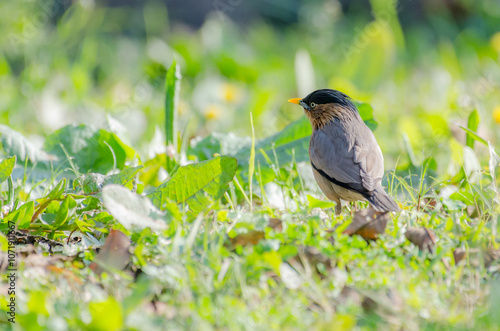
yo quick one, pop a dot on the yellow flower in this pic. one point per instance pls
(230, 93)
(212, 112)
(496, 114)
(495, 42)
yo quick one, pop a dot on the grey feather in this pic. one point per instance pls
(347, 155)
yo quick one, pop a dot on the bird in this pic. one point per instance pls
(346, 160)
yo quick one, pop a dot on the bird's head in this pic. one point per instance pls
(323, 106)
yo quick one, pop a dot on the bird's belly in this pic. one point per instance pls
(335, 192)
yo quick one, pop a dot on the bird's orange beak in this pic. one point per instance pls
(296, 100)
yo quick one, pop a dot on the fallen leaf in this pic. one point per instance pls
(276, 224)
(249, 238)
(114, 254)
(472, 255)
(368, 224)
(422, 237)
(459, 254)
(490, 255)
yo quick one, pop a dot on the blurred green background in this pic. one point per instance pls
(424, 66)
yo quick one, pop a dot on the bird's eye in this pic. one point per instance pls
(312, 105)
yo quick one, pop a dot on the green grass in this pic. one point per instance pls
(227, 229)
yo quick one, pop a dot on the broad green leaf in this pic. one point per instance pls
(452, 204)
(294, 137)
(131, 209)
(316, 203)
(66, 210)
(220, 143)
(92, 150)
(106, 315)
(466, 196)
(124, 177)
(172, 86)
(6, 167)
(366, 113)
(197, 185)
(472, 125)
(92, 183)
(21, 217)
(153, 169)
(14, 143)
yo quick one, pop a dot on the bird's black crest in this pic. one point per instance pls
(329, 96)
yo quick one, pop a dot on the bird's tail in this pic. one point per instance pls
(381, 201)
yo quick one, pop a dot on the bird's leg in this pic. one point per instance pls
(338, 208)
(353, 208)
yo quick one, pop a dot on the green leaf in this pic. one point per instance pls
(221, 143)
(131, 209)
(366, 113)
(92, 183)
(6, 167)
(93, 150)
(65, 211)
(106, 315)
(452, 204)
(294, 137)
(172, 86)
(197, 185)
(316, 203)
(124, 177)
(472, 125)
(21, 216)
(251, 162)
(472, 136)
(14, 143)
(57, 190)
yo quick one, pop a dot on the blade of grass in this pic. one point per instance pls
(172, 86)
(251, 162)
(472, 125)
(473, 136)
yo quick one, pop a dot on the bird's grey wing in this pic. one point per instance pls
(368, 156)
(347, 155)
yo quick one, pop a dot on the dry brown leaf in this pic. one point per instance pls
(459, 254)
(490, 255)
(249, 238)
(368, 224)
(115, 252)
(422, 237)
(276, 224)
